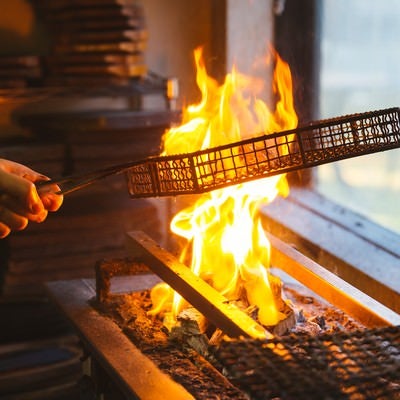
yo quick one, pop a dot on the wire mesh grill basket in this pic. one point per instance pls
(259, 157)
(354, 366)
(263, 156)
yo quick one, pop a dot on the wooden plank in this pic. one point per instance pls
(330, 287)
(73, 265)
(43, 243)
(19, 61)
(137, 123)
(332, 243)
(359, 225)
(89, 210)
(57, 4)
(118, 23)
(20, 72)
(115, 153)
(127, 70)
(197, 292)
(126, 47)
(135, 374)
(93, 59)
(34, 152)
(78, 13)
(104, 36)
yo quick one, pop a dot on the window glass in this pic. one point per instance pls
(360, 71)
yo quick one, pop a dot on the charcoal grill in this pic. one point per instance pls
(362, 364)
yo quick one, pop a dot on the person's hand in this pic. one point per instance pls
(19, 200)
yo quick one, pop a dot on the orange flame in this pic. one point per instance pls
(222, 229)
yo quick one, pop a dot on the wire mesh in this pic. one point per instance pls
(263, 156)
(362, 365)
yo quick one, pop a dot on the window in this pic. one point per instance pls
(360, 71)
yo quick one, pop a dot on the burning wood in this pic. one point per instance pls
(197, 292)
(224, 243)
(191, 329)
(192, 322)
(289, 321)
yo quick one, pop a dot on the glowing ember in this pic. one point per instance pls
(226, 242)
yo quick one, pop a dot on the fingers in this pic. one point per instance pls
(51, 201)
(21, 171)
(10, 221)
(18, 182)
(20, 192)
(20, 202)
(24, 201)
(4, 230)
(15, 218)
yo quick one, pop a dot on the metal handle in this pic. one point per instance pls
(67, 185)
(73, 183)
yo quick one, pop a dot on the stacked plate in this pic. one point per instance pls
(19, 71)
(95, 41)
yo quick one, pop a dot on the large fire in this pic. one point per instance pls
(224, 238)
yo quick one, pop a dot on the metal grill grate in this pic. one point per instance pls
(315, 144)
(355, 366)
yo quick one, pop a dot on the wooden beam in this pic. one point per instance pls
(330, 287)
(347, 244)
(133, 372)
(212, 304)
